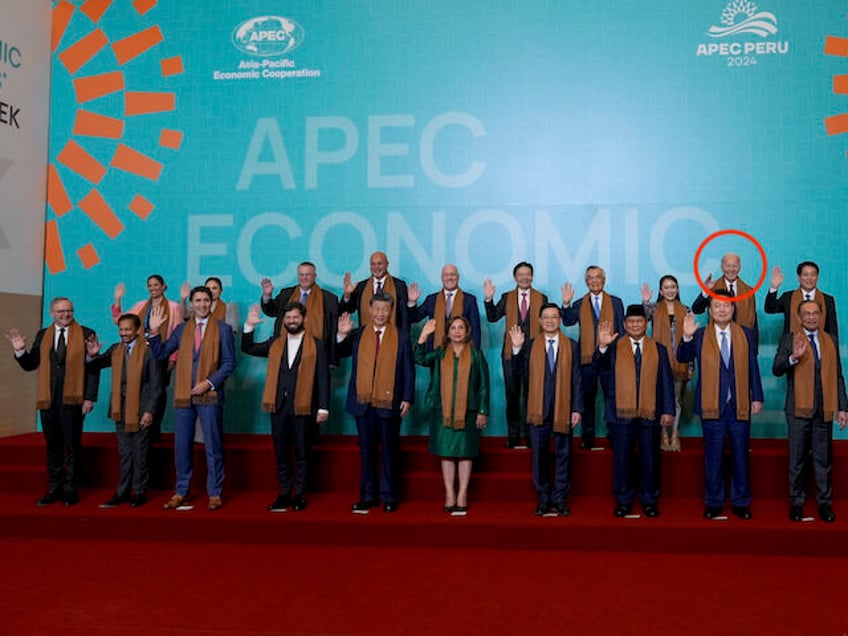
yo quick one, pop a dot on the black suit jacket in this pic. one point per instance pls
(782, 305)
(520, 364)
(151, 378)
(781, 367)
(274, 308)
(401, 313)
(496, 312)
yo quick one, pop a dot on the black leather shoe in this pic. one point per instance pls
(115, 501)
(362, 507)
(743, 512)
(796, 513)
(299, 503)
(622, 510)
(651, 510)
(71, 498)
(511, 443)
(562, 509)
(49, 498)
(390, 506)
(826, 513)
(711, 512)
(541, 509)
(280, 504)
(138, 499)
(587, 444)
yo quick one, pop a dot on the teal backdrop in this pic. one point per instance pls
(236, 139)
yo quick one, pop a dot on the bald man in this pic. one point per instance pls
(443, 305)
(744, 311)
(356, 297)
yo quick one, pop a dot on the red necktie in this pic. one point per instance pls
(198, 336)
(523, 306)
(377, 348)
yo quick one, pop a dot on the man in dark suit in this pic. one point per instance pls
(815, 395)
(356, 298)
(321, 305)
(297, 392)
(729, 390)
(136, 387)
(596, 306)
(744, 311)
(640, 398)
(441, 306)
(550, 363)
(788, 302)
(205, 359)
(66, 394)
(380, 393)
(520, 306)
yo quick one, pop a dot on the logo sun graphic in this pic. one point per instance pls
(80, 170)
(735, 9)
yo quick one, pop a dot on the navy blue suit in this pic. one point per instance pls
(381, 425)
(625, 432)
(715, 431)
(211, 416)
(571, 316)
(428, 309)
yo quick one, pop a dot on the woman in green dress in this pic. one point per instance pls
(457, 405)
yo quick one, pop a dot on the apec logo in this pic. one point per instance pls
(268, 36)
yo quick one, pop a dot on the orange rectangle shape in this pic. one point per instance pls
(171, 66)
(143, 6)
(77, 54)
(136, 44)
(136, 103)
(90, 124)
(141, 207)
(57, 196)
(88, 256)
(836, 46)
(840, 84)
(62, 14)
(53, 256)
(94, 86)
(837, 124)
(170, 139)
(77, 159)
(95, 206)
(133, 161)
(95, 9)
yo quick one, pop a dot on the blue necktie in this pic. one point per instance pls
(304, 296)
(812, 338)
(725, 350)
(551, 358)
(597, 306)
(637, 355)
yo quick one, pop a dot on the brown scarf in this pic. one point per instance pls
(163, 329)
(746, 310)
(220, 311)
(305, 374)
(375, 379)
(804, 379)
(440, 315)
(661, 332)
(455, 402)
(711, 367)
(627, 406)
(588, 331)
(562, 398)
(207, 364)
(135, 369)
(72, 391)
(314, 321)
(513, 317)
(796, 299)
(368, 291)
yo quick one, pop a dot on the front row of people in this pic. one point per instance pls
(640, 400)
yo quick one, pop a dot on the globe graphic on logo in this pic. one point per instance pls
(268, 35)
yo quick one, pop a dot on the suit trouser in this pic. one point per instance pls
(625, 435)
(715, 432)
(287, 431)
(133, 452)
(212, 423)
(371, 430)
(515, 392)
(807, 435)
(540, 442)
(590, 380)
(62, 428)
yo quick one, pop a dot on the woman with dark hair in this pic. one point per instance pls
(666, 315)
(220, 309)
(457, 405)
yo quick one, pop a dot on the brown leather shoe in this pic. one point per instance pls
(215, 503)
(175, 502)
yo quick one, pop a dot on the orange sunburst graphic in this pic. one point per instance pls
(837, 124)
(94, 125)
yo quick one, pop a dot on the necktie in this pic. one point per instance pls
(551, 358)
(725, 349)
(596, 303)
(808, 297)
(129, 351)
(449, 305)
(198, 336)
(304, 296)
(523, 306)
(812, 338)
(377, 348)
(730, 289)
(637, 355)
(61, 346)
(379, 288)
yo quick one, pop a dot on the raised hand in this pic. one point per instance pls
(429, 327)
(709, 283)
(17, 339)
(92, 346)
(488, 289)
(345, 325)
(267, 287)
(689, 325)
(157, 318)
(776, 278)
(347, 285)
(517, 336)
(799, 346)
(120, 291)
(413, 293)
(567, 291)
(647, 294)
(185, 291)
(254, 317)
(605, 334)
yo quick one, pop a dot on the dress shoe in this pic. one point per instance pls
(215, 503)
(138, 499)
(299, 503)
(711, 512)
(280, 504)
(71, 498)
(587, 444)
(48, 498)
(459, 511)
(562, 509)
(622, 510)
(511, 443)
(176, 501)
(450, 509)
(651, 510)
(796, 513)
(362, 507)
(390, 506)
(541, 509)
(743, 512)
(826, 513)
(115, 501)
